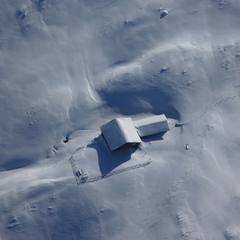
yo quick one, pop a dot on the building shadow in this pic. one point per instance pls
(108, 160)
(154, 137)
(162, 99)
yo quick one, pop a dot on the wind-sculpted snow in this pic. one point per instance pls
(67, 67)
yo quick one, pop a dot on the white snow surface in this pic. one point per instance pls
(69, 66)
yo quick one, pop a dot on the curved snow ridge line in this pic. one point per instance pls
(37, 183)
(50, 182)
(116, 172)
(172, 46)
(132, 67)
(138, 63)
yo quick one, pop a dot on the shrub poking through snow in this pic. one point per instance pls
(163, 13)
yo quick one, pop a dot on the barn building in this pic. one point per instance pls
(124, 131)
(120, 132)
(152, 125)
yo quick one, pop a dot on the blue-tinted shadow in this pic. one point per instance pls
(108, 160)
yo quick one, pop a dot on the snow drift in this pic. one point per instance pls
(67, 67)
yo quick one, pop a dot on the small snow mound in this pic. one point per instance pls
(163, 13)
(189, 227)
(13, 223)
(232, 233)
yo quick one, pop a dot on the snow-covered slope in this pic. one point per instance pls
(67, 67)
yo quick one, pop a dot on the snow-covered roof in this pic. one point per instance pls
(151, 125)
(119, 132)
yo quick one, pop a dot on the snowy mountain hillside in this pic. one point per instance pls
(67, 67)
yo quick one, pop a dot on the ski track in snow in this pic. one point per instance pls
(90, 86)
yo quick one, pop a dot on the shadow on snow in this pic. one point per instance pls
(108, 160)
